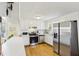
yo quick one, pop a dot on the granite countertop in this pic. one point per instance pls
(41, 35)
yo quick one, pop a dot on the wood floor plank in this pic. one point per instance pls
(40, 50)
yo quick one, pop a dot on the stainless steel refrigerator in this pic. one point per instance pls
(65, 39)
(0, 34)
(56, 38)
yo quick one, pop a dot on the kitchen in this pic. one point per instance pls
(33, 25)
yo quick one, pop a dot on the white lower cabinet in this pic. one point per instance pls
(26, 40)
(41, 38)
(49, 39)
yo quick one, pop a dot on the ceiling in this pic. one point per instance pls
(2, 9)
(46, 10)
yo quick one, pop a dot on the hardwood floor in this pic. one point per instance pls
(40, 50)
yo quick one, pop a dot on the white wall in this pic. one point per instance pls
(29, 23)
(13, 20)
(68, 17)
(28, 13)
(3, 15)
(3, 9)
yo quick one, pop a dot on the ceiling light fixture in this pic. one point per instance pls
(38, 17)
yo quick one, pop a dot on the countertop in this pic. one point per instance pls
(41, 35)
(13, 47)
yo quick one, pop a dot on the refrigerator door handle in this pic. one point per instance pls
(55, 35)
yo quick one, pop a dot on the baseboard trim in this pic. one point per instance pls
(48, 44)
(26, 45)
(40, 43)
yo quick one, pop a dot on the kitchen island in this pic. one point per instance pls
(13, 47)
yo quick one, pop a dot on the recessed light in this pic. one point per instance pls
(38, 17)
(3, 17)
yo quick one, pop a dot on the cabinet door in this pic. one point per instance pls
(26, 40)
(41, 38)
(47, 38)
